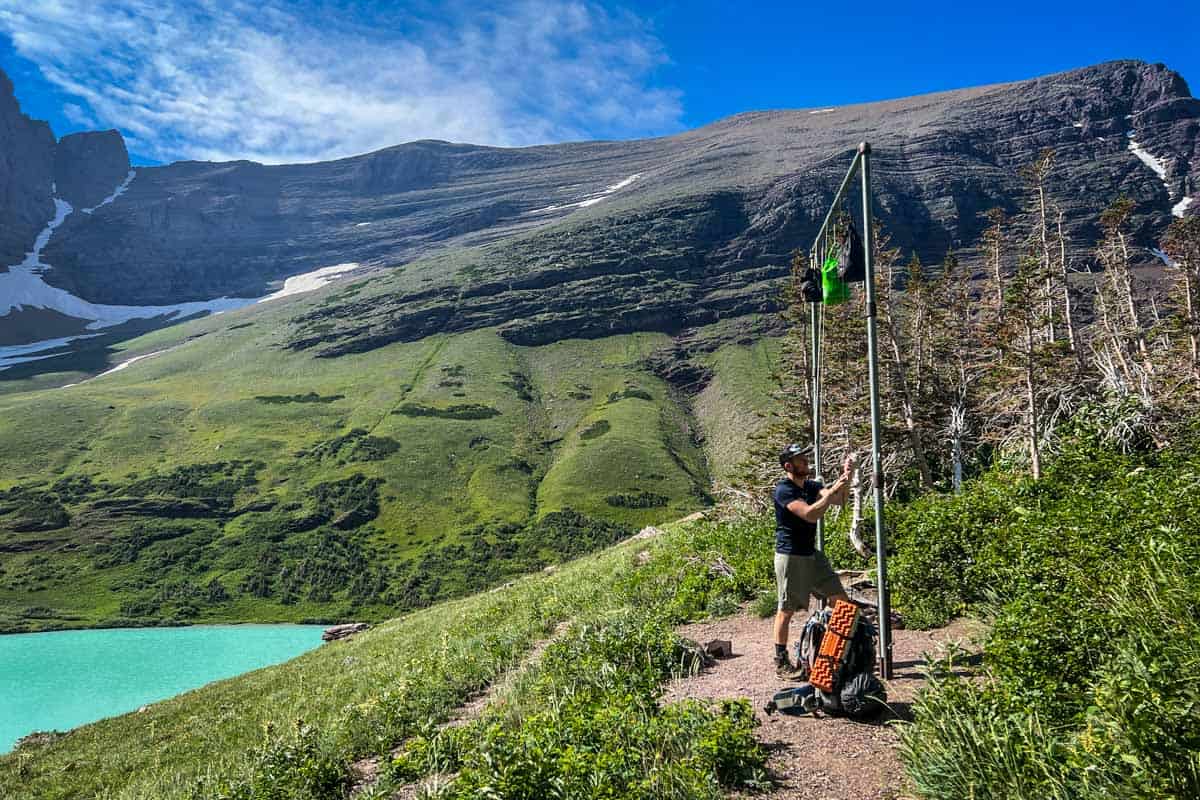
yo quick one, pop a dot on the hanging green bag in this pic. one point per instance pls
(834, 288)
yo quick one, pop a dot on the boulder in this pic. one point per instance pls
(342, 631)
(719, 648)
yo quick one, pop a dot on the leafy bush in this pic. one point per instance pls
(348, 503)
(355, 445)
(629, 392)
(220, 480)
(638, 500)
(1089, 579)
(460, 411)
(1133, 729)
(310, 397)
(595, 430)
(706, 565)
(299, 767)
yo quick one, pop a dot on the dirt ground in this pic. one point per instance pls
(816, 757)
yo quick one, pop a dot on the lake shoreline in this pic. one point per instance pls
(55, 684)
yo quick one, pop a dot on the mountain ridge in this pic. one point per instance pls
(198, 230)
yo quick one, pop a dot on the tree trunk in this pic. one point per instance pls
(1043, 230)
(1066, 287)
(1035, 456)
(1191, 321)
(906, 406)
(1127, 286)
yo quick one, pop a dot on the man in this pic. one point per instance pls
(800, 569)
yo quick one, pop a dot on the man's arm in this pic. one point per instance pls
(837, 497)
(811, 512)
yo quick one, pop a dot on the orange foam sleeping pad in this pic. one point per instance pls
(835, 644)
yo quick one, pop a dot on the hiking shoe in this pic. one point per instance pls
(788, 671)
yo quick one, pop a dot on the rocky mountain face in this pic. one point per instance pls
(591, 238)
(89, 166)
(26, 172)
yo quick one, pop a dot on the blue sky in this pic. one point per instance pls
(303, 80)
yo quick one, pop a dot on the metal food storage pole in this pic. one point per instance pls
(861, 162)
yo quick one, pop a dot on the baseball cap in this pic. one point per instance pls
(793, 450)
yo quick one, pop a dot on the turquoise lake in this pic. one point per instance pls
(56, 681)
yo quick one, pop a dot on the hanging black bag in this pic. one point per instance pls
(810, 286)
(852, 265)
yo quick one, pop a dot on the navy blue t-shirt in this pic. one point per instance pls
(794, 535)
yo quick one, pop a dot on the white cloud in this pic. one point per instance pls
(282, 82)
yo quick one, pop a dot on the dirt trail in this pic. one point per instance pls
(815, 758)
(364, 774)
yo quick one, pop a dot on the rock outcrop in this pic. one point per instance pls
(88, 167)
(26, 174)
(343, 631)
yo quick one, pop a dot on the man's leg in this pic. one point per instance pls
(783, 619)
(789, 583)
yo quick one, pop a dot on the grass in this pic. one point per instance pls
(364, 695)
(224, 391)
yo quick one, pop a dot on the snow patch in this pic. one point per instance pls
(1150, 161)
(127, 362)
(822, 111)
(622, 184)
(590, 200)
(23, 286)
(1163, 257)
(310, 281)
(1182, 206)
(36, 351)
(120, 190)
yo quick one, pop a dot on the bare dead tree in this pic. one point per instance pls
(1181, 244)
(993, 239)
(1114, 255)
(1035, 176)
(1068, 311)
(905, 351)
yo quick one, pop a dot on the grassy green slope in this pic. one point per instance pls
(364, 695)
(227, 477)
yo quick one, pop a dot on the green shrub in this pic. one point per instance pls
(1088, 577)
(310, 397)
(593, 727)
(299, 767)
(638, 500)
(460, 411)
(595, 430)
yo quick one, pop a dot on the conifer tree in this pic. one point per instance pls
(1125, 339)
(959, 356)
(1181, 244)
(791, 415)
(1035, 176)
(904, 321)
(994, 250)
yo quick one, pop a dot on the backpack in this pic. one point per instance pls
(858, 693)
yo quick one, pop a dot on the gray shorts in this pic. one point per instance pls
(797, 577)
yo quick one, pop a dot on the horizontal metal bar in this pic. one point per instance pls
(837, 199)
